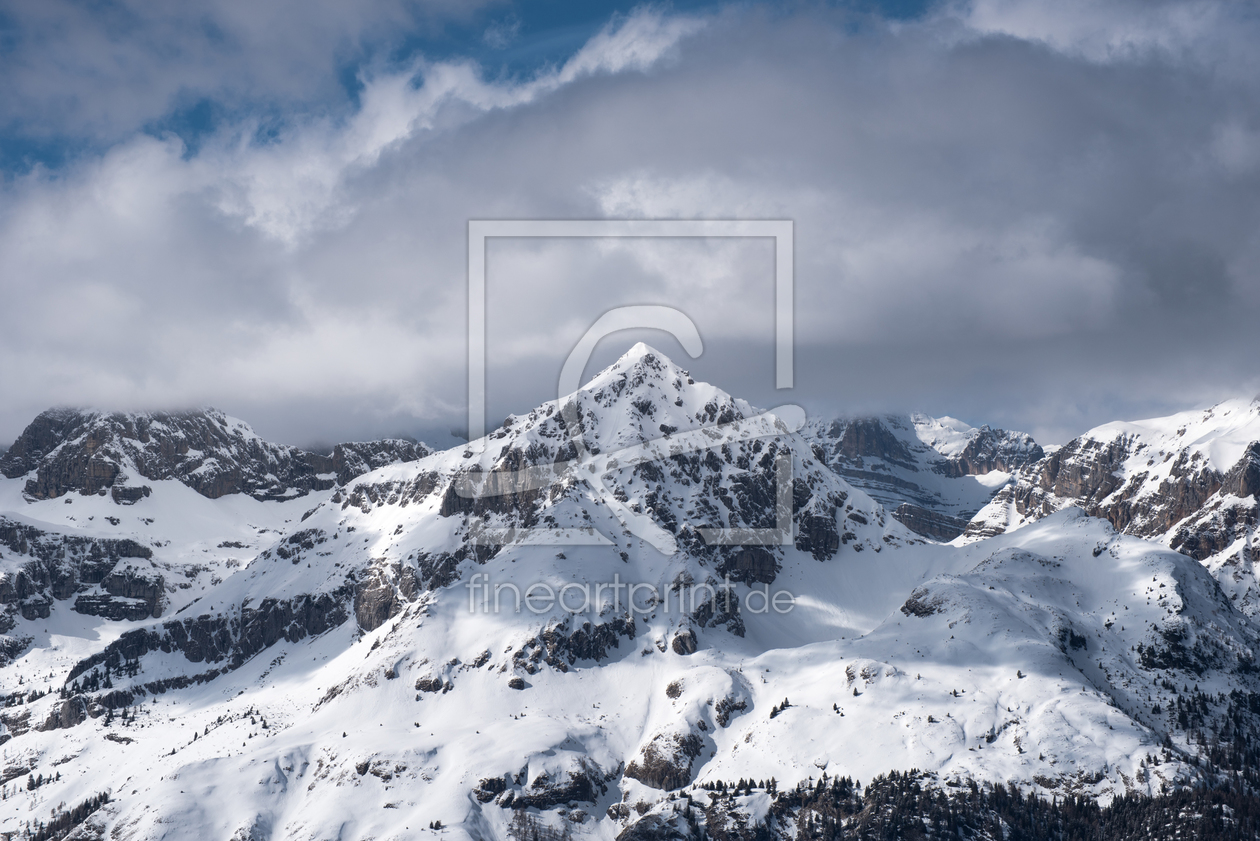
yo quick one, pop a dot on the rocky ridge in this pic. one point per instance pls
(92, 452)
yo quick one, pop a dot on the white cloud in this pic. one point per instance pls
(193, 276)
(1098, 30)
(290, 188)
(502, 33)
(1117, 30)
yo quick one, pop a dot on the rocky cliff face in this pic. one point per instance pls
(66, 450)
(932, 474)
(58, 566)
(93, 452)
(108, 578)
(989, 450)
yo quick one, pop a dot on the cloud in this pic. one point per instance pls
(999, 216)
(502, 33)
(882, 265)
(293, 185)
(99, 71)
(1108, 31)
(151, 277)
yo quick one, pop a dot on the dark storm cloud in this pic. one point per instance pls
(1000, 215)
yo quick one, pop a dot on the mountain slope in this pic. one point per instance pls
(1189, 481)
(125, 550)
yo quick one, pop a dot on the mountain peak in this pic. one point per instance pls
(639, 350)
(641, 357)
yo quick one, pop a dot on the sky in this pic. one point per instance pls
(1042, 216)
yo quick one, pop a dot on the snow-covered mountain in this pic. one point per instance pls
(932, 474)
(379, 658)
(1188, 481)
(92, 452)
(108, 559)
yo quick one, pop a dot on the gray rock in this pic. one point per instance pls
(929, 523)
(665, 762)
(657, 828)
(684, 642)
(69, 713)
(90, 452)
(58, 566)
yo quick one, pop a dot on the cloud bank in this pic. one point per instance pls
(1011, 212)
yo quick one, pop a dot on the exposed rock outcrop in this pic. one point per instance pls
(665, 762)
(59, 566)
(69, 713)
(381, 593)
(928, 523)
(561, 645)
(91, 452)
(992, 449)
(230, 639)
(580, 779)
(584, 782)
(657, 827)
(684, 642)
